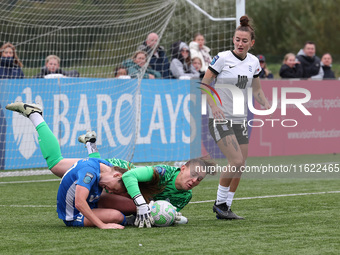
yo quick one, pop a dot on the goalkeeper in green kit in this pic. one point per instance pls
(176, 182)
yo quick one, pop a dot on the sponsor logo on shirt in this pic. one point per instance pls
(160, 170)
(88, 178)
(242, 81)
(214, 60)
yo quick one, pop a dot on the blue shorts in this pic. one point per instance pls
(79, 222)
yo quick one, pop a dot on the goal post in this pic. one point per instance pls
(138, 119)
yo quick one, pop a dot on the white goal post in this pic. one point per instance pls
(138, 119)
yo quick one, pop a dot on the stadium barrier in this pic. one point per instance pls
(153, 126)
(162, 123)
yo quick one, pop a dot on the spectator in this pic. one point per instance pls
(135, 64)
(10, 66)
(52, 69)
(181, 65)
(159, 60)
(197, 63)
(198, 49)
(121, 72)
(326, 63)
(265, 72)
(291, 68)
(311, 64)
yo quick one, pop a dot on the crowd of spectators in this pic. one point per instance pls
(192, 61)
(186, 62)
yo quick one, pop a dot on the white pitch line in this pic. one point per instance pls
(33, 206)
(25, 173)
(49, 180)
(207, 201)
(272, 196)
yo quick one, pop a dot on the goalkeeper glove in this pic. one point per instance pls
(143, 216)
(180, 219)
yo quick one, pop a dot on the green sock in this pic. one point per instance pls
(49, 145)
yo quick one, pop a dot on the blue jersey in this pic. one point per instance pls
(86, 173)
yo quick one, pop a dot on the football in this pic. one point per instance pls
(163, 213)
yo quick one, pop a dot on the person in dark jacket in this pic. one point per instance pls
(159, 61)
(291, 68)
(10, 65)
(326, 63)
(265, 72)
(311, 64)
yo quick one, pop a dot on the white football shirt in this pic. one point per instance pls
(238, 73)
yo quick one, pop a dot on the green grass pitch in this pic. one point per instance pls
(306, 222)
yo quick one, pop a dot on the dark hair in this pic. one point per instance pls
(246, 27)
(205, 161)
(119, 170)
(188, 59)
(309, 42)
(176, 53)
(151, 188)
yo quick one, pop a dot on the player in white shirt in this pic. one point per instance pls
(235, 71)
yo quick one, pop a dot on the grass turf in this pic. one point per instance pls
(304, 224)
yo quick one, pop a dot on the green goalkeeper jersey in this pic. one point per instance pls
(178, 198)
(168, 174)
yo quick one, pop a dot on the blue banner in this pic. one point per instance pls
(152, 122)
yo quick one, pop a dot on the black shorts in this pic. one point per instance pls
(222, 130)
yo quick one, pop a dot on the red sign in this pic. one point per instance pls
(296, 133)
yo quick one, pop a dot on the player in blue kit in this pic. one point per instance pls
(82, 179)
(79, 192)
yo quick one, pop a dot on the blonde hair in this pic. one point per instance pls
(139, 52)
(48, 58)
(192, 60)
(287, 56)
(205, 161)
(15, 56)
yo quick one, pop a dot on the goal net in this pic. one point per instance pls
(137, 119)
